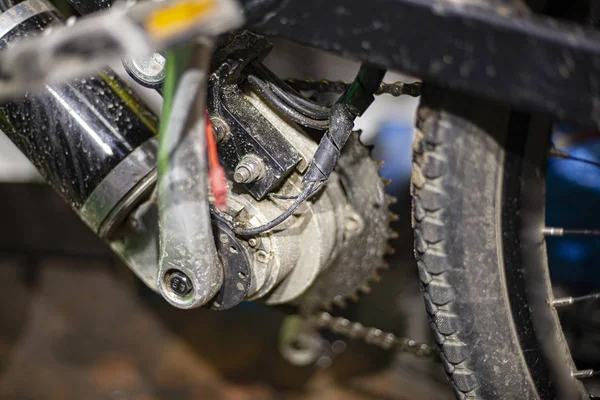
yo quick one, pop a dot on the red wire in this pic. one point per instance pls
(216, 173)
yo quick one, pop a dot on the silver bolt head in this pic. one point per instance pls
(250, 169)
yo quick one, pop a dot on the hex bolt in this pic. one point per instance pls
(220, 128)
(179, 283)
(249, 169)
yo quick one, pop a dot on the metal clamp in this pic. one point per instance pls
(121, 189)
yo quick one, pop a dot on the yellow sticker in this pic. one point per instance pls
(178, 17)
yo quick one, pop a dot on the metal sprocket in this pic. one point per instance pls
(361, 256)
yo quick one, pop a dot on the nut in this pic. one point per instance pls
(249, 169)
(180, 284)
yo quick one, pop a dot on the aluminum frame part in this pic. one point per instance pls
(485, 48)
(121, 189)
(185, 226)
(137, 243)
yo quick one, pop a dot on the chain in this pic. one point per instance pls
(374, 336)
(326, 86)
(343, 326)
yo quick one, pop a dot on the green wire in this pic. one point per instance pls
(359, 94)
(177, 58)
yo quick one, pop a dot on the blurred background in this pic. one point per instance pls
(76, 323)
(573, 201)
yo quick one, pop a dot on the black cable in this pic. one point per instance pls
(300, 104)
(353, 103)
(283, 197)
(308, 191)
(284, 108)
(295, 196)
(355, 100)
(297, 97)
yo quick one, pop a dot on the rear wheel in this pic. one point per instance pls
(478, 191)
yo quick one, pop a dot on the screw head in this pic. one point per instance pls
(353, 223)
(262, 256)
(180, 284)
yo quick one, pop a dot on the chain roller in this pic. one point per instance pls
(326, 86)
(373, 336)
(343, 326)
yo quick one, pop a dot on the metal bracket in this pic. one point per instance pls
(250, 132)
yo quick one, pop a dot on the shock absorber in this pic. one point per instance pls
(91, 139)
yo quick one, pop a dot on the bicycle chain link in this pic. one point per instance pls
(396, 89)
(343, 326)
(373, 336)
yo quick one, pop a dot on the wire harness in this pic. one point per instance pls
(351, 104)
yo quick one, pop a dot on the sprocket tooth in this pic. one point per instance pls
(393, 234)
(376, 277)
(383, 267)
(365, 289)
(389, 250)
(338, 301)
(358, 133)
(390, 199)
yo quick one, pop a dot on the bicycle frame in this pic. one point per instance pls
(492, 48)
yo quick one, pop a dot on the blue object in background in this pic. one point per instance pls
(393, 145)
(573, 201)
